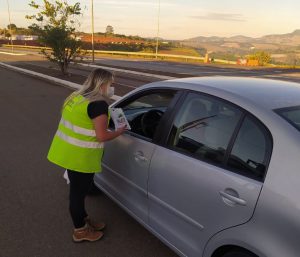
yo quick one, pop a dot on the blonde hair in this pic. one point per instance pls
(92, 88)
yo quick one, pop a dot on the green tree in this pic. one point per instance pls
(262, 57)
(56, 28)
(12, 26)
(109, 30)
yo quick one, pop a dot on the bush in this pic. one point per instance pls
(262, 57)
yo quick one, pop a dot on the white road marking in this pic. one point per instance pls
(8, 53)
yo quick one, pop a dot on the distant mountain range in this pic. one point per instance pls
(274, 43)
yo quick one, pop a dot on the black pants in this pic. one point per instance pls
(79, 187)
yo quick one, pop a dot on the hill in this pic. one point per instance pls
(240, 43)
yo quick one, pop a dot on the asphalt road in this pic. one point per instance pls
(33, 195)
(124, 81)
(176, 69)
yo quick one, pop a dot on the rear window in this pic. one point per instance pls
(291, 114)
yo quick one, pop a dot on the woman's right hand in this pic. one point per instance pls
(102, 134)
(121, 130)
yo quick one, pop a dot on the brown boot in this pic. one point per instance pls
(86, 233)
(94, 225)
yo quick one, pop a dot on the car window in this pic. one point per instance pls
(292, 115)
(203, 128)
(250, 150)
(145, 112)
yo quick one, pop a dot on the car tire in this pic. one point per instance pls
(239, 253)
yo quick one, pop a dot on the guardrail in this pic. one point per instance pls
(142, 54)
(187, 57)
(27, 47)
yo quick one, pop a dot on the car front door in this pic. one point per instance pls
(208, 175)
(126, 159)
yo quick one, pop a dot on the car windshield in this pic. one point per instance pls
(291, 114)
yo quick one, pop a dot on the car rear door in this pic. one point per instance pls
(208, 175)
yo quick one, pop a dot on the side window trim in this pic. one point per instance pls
(183, 98)
(139, 136)
(144, 93)
(168, 126)
(244, 114)
(268, 151)
(164, 122)
(233, 138)
(182, 94)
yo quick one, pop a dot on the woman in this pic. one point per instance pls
(78, 146)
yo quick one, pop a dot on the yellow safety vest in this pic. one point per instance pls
(75, 145)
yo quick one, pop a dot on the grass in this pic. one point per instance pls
(181, 51)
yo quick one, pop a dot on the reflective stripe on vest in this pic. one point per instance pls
(75, 144)
(78, 142)
(78, 130)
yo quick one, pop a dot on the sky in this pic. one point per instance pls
(178, 19)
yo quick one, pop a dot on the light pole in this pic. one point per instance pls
(10, 31)
(93, 49)
(158, 16)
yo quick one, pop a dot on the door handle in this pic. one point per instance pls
(139, 156)
(232, 200)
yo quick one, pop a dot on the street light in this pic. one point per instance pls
(156, 52)
(10, 31)
(93, 49)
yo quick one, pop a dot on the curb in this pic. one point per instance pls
(57, 81)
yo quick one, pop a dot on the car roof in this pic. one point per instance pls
(270, 94)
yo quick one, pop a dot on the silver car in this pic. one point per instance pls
(211, 165)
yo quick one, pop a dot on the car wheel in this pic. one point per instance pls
(239, 253)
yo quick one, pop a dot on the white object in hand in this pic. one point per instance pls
(119, 118)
